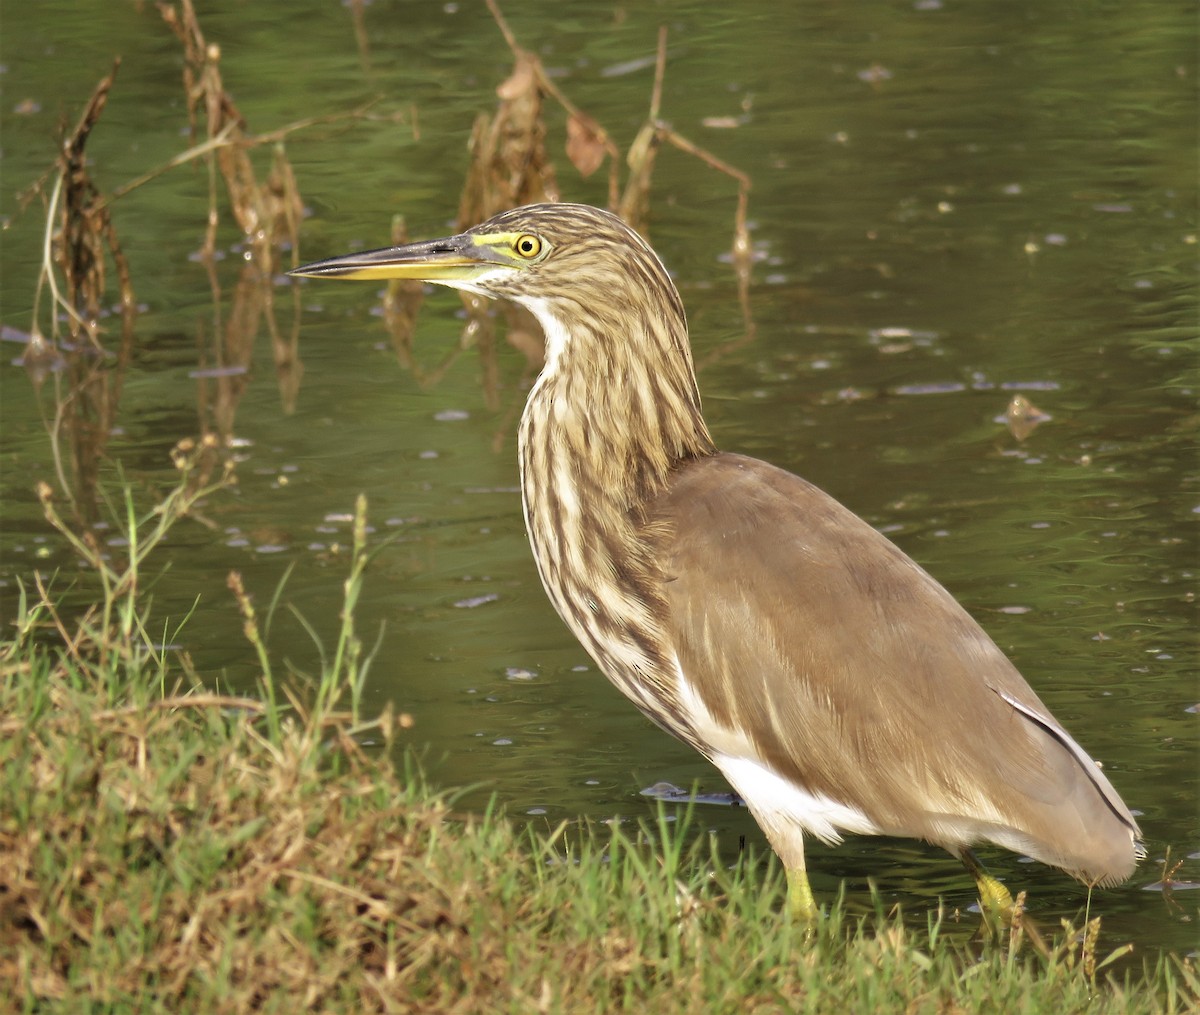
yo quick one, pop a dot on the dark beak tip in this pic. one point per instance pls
(315, 269)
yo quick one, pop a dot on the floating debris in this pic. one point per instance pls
(1023, 417)
(671, 793)
(474, 601)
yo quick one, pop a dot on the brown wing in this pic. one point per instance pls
(860, 678)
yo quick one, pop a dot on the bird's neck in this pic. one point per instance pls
(605, 425)
(613, 413)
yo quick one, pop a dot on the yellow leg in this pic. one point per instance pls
(995, 900)
(1000, 913)
(787, 840)
(801, 906)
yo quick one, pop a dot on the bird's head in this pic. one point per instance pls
(569, 264)
(614, 325)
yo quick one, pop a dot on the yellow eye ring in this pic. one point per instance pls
(528, 245)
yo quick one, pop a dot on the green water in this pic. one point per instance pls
(952, 203)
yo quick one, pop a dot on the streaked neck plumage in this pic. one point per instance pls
(613, 412)
(620, 404)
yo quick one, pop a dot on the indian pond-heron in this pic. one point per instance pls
(834, 683)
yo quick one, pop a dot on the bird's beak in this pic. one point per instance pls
(452, 261)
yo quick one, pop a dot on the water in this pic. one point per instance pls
(951, 205)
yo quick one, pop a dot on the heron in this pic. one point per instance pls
(834, 683)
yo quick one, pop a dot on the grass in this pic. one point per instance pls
(165, 848)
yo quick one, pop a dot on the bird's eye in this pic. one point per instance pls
(528, 246)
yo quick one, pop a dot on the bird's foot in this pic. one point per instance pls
(995, 900)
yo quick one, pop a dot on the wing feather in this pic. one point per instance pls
(853, 674)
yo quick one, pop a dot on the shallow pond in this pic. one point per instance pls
(951, 205)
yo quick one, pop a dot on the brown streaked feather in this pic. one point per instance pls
(793, 618)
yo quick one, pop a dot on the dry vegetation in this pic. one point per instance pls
(70, 340)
